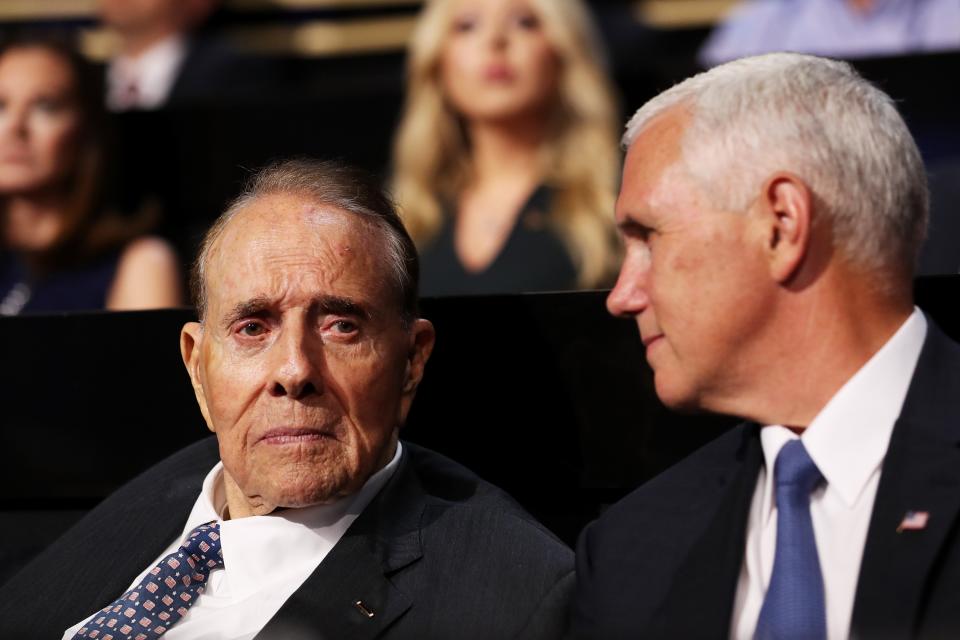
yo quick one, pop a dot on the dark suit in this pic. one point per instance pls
(215, 74)
(664, 562)
(437, 554)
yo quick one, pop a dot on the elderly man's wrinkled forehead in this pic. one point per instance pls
(284, 236)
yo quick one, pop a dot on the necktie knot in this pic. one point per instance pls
(795, 470)
(203, 547)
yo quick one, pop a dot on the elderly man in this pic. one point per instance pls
(305, 516)
(772, 211)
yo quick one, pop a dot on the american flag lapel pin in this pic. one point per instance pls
(914, 521)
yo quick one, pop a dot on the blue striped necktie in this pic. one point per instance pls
(794, 608)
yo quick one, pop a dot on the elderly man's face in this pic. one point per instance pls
(303, 367)
(692, 275)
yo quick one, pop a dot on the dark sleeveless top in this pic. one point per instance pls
(532, 259)
(81, 288)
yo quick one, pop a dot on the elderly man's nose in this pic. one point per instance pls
(296, 375)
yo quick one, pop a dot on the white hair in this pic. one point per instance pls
(332, 183)
(820, 120)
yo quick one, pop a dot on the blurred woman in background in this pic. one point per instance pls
(59, 249)
(506, 158)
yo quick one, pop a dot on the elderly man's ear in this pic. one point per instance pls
(422, 338)
(785, 209)
(191, 335)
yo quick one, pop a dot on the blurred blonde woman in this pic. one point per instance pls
(506, 158)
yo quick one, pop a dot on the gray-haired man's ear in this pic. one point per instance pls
(191, 339)
(785, 211)
(422, 338)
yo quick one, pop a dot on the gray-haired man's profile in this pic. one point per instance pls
(772, 211)
(320, 522)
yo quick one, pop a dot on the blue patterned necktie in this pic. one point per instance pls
(794, 608)
(164, 595)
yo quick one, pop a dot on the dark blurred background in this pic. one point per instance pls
(326, 78)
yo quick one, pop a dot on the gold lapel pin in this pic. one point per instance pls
(363, 609)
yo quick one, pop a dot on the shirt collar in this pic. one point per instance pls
(153, 71)
(256, 547)
(848, 439)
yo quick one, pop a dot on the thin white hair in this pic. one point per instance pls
(816, 118)
(331, 183)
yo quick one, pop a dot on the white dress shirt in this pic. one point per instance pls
(847, 440)
(144, 82)
(266, 558)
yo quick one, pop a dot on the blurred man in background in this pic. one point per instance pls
(163, 61)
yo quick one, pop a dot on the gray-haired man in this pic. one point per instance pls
(772, 210)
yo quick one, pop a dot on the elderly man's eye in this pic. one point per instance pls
(344, 326)
(252, 329)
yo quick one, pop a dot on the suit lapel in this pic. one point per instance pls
(350, 594)
(921, 472)
(139, 553)
(699, 602)
(123, 536)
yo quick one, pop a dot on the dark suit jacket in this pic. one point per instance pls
(438, 553)
(664, 562)
(215, 74)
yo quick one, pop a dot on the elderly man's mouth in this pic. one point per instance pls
(294, 435)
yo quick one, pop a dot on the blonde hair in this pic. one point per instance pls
(580, 158)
